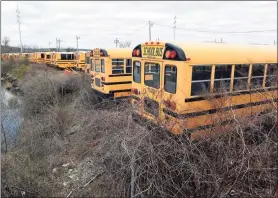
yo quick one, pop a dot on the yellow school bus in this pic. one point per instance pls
(62, 59)
(79, 60)
(197, 89)
(39, 57)
(88, 57)
(111, 72)
(4, 56)
(47, 57)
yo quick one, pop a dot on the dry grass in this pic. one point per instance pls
(62, 125)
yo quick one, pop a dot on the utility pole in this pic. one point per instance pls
(49, 45)
(274, 42)
(58, 42)
(221, 40)
(116, 42)
(150, 34)
(77, 37)
(175, 27)
(19, 22)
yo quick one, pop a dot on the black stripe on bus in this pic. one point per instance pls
(135, 97)
(230, 94)
(116, 83)
(119, 75)
(118, 91)
(212, 111)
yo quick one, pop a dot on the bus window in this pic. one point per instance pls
(257, 76)
(201, 76)
(117, 66)
(241, 77)
(102, 63)
(271, 75)
(47, 56)
(128, 66)
(170, 79)
(87, 59)
(63, 57)
(222, 78)
(97, 65)
(137, 71)
(152, 75)
(92, 65)
(42, 55)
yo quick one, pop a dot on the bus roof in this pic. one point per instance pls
(64, 52)
(119, 52)
(216, 53)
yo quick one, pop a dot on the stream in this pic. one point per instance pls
(11, 118)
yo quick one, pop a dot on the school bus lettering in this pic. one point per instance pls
(152, 51)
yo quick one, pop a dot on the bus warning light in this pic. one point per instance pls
(167, 54)
(102, 78)
(173, 54)
(138, 52)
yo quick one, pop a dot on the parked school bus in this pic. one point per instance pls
(47, 57)
(79, 60)
(111, 72)
(88, 57)
(62, 59)
(40, 57)
(196, 89)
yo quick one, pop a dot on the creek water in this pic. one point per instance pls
(11, 117)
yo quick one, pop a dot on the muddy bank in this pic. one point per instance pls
(10, 83)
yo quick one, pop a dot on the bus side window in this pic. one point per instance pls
(201, 77)
(257, 76)
(170, 79)
(102, 63)
(222, 78)
(271, 75)
(63, 56)
(92, 65)
(137, 71)
(128, 66)
(117, 66)
(87, 60)
(241, 77)
(152, 75)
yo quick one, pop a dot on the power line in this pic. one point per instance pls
(77, 37)
(58, 42)
(208, 31)
(150, 33)
(116, 42)
(175, 28)
(19, 22)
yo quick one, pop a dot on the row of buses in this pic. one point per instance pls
(59, 59)
(190, 89)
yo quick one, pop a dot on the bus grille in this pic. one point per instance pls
(98, 82)
(151, 106)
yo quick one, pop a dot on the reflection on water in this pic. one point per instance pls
(10, 117)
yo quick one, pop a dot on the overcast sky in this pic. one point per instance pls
(99, 23)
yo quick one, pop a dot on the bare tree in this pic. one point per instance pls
(6, 41)
(125, 44)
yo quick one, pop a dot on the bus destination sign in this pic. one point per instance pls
(152, 51)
